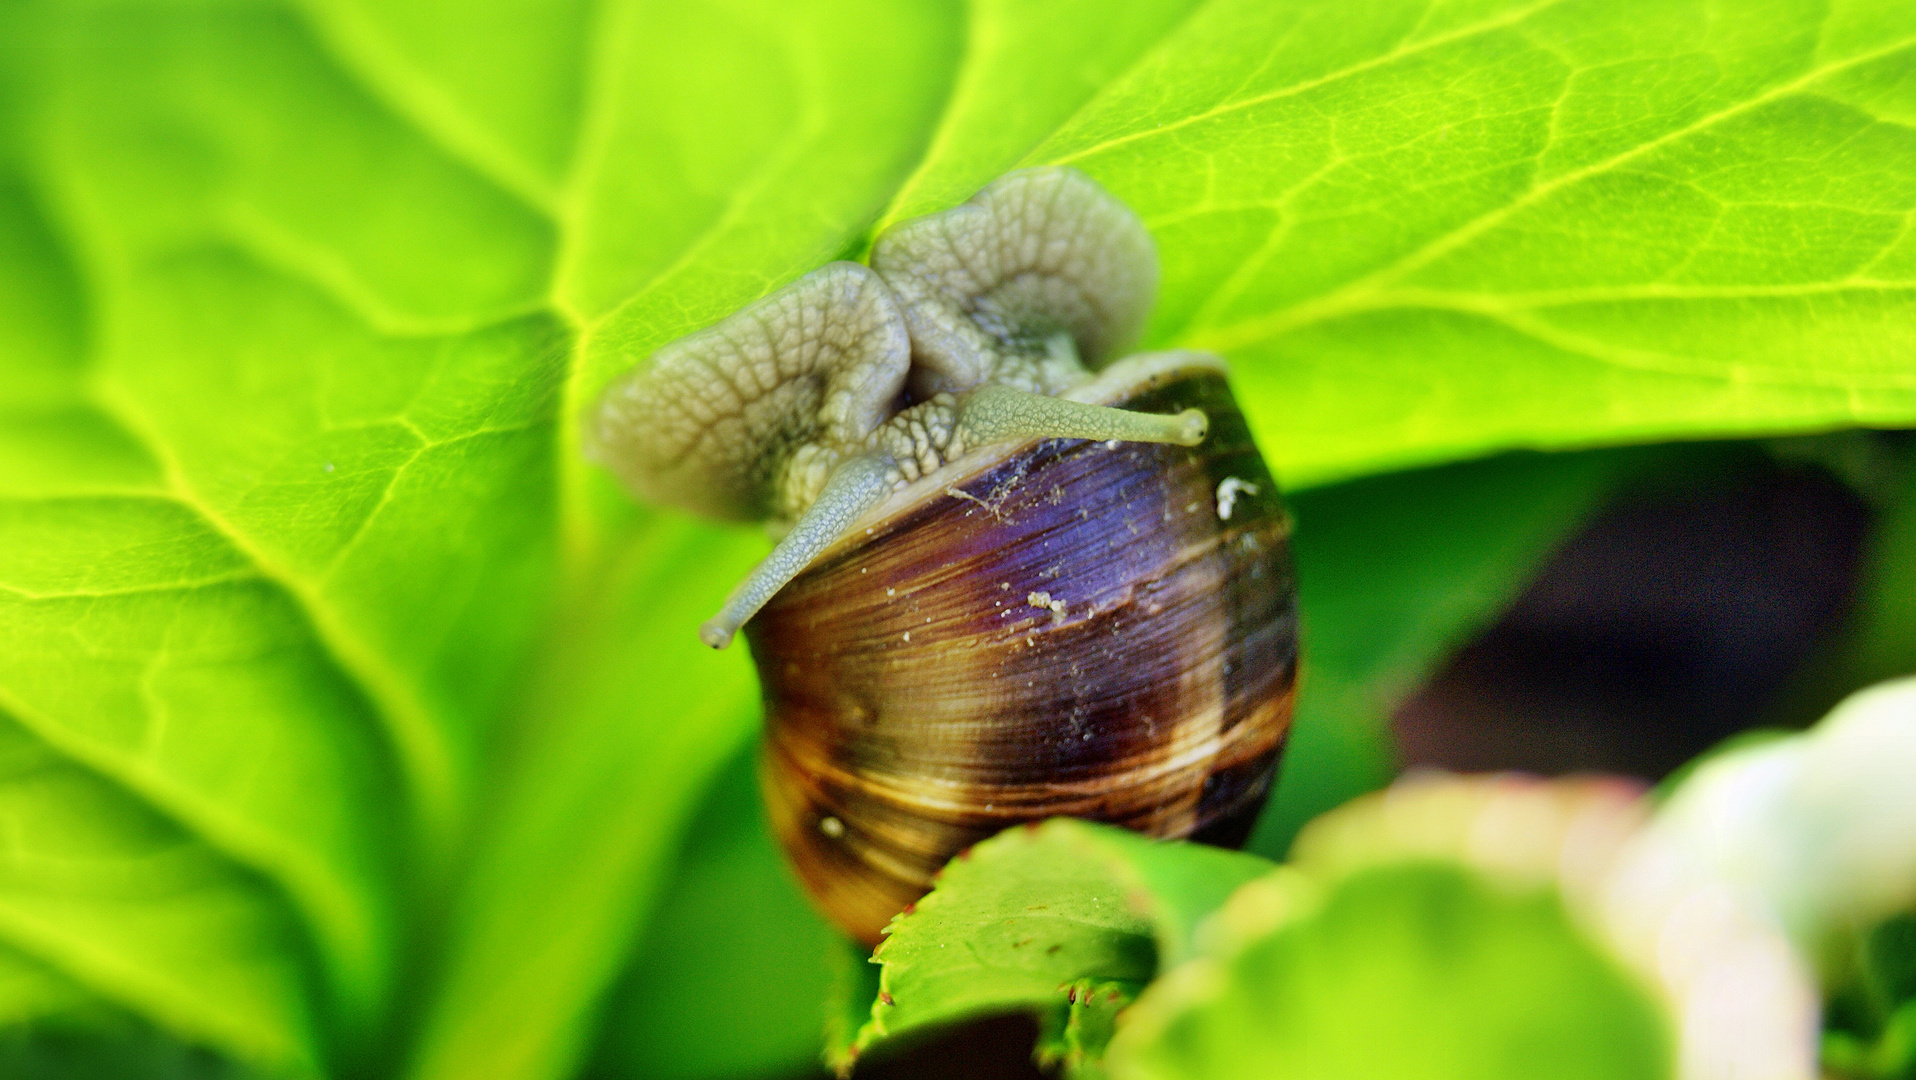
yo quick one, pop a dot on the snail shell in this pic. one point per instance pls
(1085, 630)
(1014, 578)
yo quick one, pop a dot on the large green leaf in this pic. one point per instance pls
(1425, 228)
(148, 635)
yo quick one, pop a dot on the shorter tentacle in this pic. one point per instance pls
(999, 414)
(856, 485)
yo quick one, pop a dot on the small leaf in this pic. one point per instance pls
(1889, 961)
(1416, 972)
(1075, 1039)
(1040, 911)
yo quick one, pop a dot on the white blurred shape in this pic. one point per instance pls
(1780, 844)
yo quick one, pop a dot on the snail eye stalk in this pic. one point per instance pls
(855, 486)
(1000, 414)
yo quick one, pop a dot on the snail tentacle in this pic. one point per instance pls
(855, 486)
(1000, 413)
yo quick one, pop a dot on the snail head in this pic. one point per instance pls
(807, 408)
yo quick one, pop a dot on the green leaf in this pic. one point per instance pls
(1028, 68)
(1043, 912)
(1413, 971)
(30, 990)
(1889, 962)
(1434, 229)
(1885, 629)
(735, 961)
(148, 637)
(98, 893)
(628, 720)
(1075, 1038)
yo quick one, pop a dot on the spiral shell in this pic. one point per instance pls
(1014, 577)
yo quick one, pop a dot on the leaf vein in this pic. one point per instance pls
(1462, 33)
(1483, 223)
(426, 758)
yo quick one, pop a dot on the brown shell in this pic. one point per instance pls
(919, 698)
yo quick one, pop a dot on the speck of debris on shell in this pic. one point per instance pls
(1227, 492)
(1044, 601)
(908, 635)
(890, 591)
(831, 827)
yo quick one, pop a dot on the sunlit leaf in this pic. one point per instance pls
(1428, 229)
(1039, 914)
(1416, 971)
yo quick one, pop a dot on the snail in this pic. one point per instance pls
(1016, 575)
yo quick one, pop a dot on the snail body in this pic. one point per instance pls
(1006, 587)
